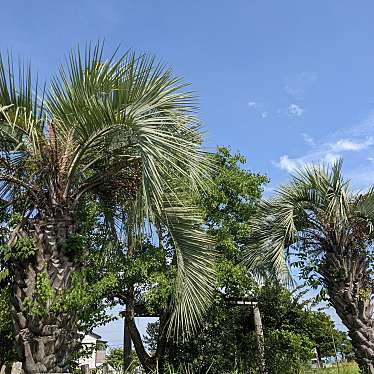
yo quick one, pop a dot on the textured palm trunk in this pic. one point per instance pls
(45, 341)
(349, 287)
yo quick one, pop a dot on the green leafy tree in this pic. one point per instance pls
(121, 131)
(146, 276)
(318, 220)
(283, 310)
(287, 352)
(228, 206)
(227, 339)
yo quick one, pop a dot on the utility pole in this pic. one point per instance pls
(260, 336)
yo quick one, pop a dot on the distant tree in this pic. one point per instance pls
(228, 206)
(318, 220)
(115, 359)
(287, 352)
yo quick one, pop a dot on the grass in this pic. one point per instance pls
(343, 369)
(349, 368)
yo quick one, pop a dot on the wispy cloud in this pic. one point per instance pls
(325, 153)
(349, 145)
(259, 108)
(297, 84)
(308, 139)
(287, 163)
(292, 110)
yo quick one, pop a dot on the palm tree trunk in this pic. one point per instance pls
(349, 287)
(46, 339)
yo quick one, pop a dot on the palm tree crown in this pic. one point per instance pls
(327, 230)
(315, 212)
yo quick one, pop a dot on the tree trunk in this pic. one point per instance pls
(318, 358)
(162, 341)
(348, 284)
(157, 361)
(127, 347)
(149, 363)
(46, 339)
(145, 359)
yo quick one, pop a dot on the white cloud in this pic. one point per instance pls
(349, 145)
(295, 110)
(355, 145)
(286, 163)
(324, 153)
(308, 139)
(330, 158)
(259, 108)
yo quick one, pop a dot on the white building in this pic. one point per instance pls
(95, 358)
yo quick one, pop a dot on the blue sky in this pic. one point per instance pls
(285, 82)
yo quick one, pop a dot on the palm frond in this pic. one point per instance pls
(195, 257)
(315, 197)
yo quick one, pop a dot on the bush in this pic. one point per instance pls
(287, 352)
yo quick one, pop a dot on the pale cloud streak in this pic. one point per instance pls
(258, 108)
(327, 153)
(252, 104)
(349, 145)
(308, 139)
(299, 83)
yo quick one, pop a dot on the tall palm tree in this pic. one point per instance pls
(318, 222)
(121, 129)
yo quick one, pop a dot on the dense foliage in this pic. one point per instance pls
(227, 339)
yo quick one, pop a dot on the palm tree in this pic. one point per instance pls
(120, 130)
(317, 222)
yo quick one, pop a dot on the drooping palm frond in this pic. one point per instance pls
(195, 257)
